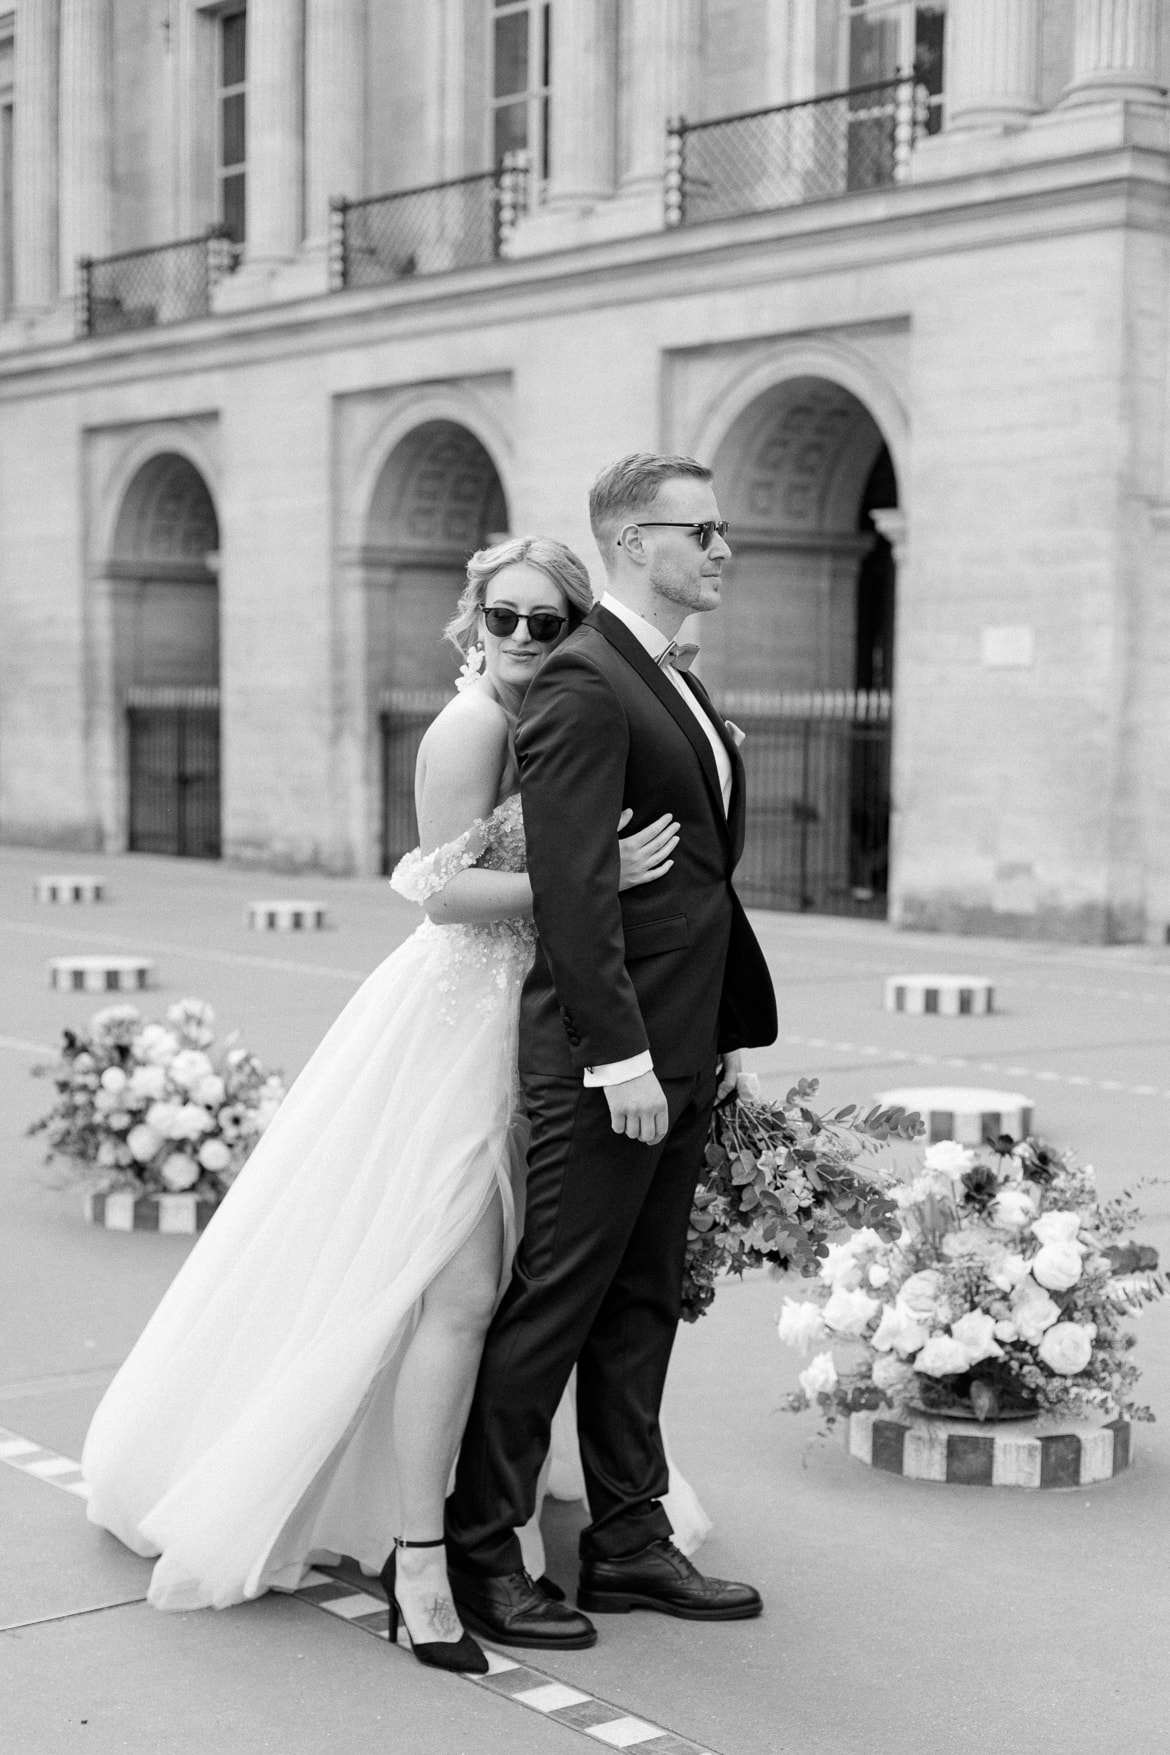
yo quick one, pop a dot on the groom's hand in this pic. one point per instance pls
(730, 1067)
(637, 1108)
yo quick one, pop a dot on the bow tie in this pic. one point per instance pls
(679, 655)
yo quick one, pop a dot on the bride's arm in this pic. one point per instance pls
(461, 760)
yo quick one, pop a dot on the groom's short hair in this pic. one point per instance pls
(630, 486)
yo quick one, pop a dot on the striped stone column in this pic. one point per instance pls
(274, 157)
(34, 154)
(86, 164)
(659, 65)
(1117, 52)
(335, 86)
(581, 156)
(993, 63)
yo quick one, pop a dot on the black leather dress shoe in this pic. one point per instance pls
(514, 1610)
(660, 1577)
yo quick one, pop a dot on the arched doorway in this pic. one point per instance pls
(438, 498)
(802, 656)
(163, 574)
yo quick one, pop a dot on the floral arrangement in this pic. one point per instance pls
(152, 1107)
(779, 1180)
(1003, 1292)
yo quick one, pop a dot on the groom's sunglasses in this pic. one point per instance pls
(705, 530)
(543, 625)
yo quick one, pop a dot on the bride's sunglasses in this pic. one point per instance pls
(705, 529)
(543, 626)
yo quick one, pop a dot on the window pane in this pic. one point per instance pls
(232, 149)
(928, 47)
(232, 200)
(873, 49)
(234, 40)
(511, 129)
(511, 53)
(546, 48)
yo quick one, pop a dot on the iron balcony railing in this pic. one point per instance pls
(167, 283)
(428, 230)
(809, 151)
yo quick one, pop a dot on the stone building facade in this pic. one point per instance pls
(919, 329)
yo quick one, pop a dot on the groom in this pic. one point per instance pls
(631, 1022)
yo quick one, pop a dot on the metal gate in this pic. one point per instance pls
(405, 715)
(818, 800)
(173, 742)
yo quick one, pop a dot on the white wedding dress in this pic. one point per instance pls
(248, 1433)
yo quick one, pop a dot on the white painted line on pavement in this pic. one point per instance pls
(198, 953)
(17, 1045)
(902, 1057)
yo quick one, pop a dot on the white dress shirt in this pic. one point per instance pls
(655, 643)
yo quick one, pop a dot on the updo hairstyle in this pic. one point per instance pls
(559, 565)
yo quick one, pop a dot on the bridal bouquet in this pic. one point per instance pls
(152, 1106)
(1003, 1291)
(779, 1180)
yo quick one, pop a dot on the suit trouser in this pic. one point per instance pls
(597, 1283)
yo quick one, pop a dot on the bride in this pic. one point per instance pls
(302, 1387)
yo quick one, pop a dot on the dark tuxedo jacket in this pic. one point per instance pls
(672, 966)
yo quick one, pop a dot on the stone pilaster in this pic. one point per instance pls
(85, 141)
(274, 193)
(1117, 52)
(34, 171)
(993, 63)
(335, 84)
(660, 53)
(581, 168)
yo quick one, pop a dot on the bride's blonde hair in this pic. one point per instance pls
(559, 564)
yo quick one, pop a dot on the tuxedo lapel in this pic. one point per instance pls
(735, 810)
(632, 650)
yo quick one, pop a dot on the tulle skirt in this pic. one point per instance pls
(249, 1431)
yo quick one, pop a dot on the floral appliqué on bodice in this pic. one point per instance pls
(498, 951)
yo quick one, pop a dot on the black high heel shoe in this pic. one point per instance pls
(440, 1654)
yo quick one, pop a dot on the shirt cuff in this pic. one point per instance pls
(616, 1072)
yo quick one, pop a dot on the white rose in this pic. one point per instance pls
(214, 1155)
(1012, 1209)
(840, 1267)
(104, 1101)
(1005, 1330)
(942, 1357)
(1057, 1266)
(891, 1375)
(143, 1142)
(149, 1082)
(190, 1067)
(119, 1120)
(156, 1045)
(952, 1159)
(899, 1330)
(975, 1333)
(1057, 1227)
(1008, 1271)
(879, 1274)
(1033, 1310)
(114, 1079)
(922, 1291)
(850, 1310)
(819, 1378)
(801, 1324)
(179, 1171)
(191, 1121)
(1067, 1348)
(210, 1091)
(162, 1117)
(748, 1084)
(107, 1154)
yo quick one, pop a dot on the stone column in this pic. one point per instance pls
(86, 165)
(993, 63)
(34, 170)
(335, 90)
(274, 157)
(659, 68)
(1117, 52)
(584, 56)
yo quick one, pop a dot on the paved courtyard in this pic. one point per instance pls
(901, 1616)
